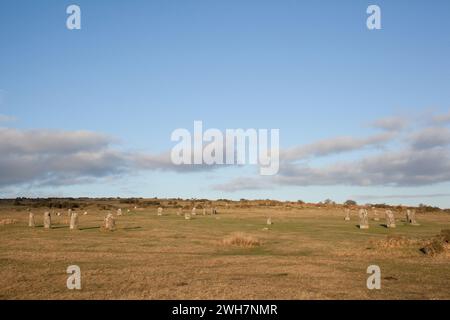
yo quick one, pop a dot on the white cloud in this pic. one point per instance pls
(5, 118)
(391, 123)
(442, 118)
(334, 145)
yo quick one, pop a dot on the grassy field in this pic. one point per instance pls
(308, 253)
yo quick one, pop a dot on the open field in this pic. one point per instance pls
(308, 253)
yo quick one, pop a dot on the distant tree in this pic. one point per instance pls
(350, 203)
(329, 201)
(300, 202)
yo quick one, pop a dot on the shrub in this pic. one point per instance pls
(350, 203)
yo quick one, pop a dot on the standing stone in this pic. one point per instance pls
(119, 212)
(69, 212)
(214, 210)
(363, 219)
(74, 221)
(187, 216)
(110, 223)
(160, 211)
(194, 211)
(31, 222)
(411, 217)
(347, 214)
(179, 211)
(390, 219)
(204, 211)
(269, 221)
(47, 220)
(375, 215)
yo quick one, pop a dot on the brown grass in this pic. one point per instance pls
(309, 253)
(242, 240)
(394, 241)
(437, 245)
(4, 222)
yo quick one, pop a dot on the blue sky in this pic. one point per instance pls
(137, 70)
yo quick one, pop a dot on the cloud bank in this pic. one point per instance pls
(397, 157)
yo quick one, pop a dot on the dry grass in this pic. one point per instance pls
(395, 241)
(4, 222)
(437, 245)
(242, 240)
(309, 253)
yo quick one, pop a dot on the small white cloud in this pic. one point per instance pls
(5, 118)
(391, 123)
(442, 118)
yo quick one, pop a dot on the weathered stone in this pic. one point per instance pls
(375, 215)
(160, 211)
(347, 214)
(194, 211)
(74, 221)
(110, 222)
(187, 216)
(363, 219)
(179, 211)
(204, 211)
(390, 219)
(47, 220)
(269, 221)
(31, 222)
(411, 217)
(119, 212)
(85, 213)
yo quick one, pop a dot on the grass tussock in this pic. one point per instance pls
(438, 244)
(394, 241)
(4, 222)
(242, 240)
